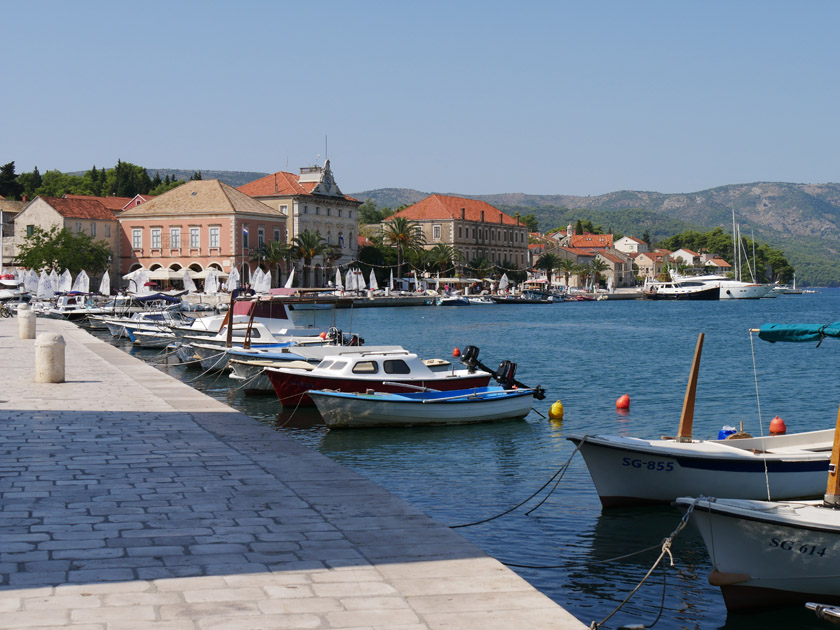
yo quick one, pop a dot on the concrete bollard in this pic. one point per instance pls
(26, 322)
(49, 358)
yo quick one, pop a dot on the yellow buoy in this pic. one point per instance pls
(556, 411)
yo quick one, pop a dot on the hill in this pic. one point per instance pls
(802, 220)
(231, 178)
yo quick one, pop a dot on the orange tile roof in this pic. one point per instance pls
(446, 207)
(688, 251)
(280, 184)
(577, 251)
(592, 240)
(115, 204)
(611, 258)
(84, 208)
(719, 262)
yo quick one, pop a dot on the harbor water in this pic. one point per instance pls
(585, 354)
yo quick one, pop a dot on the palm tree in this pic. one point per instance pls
(568, 266)
(306, 246)
(481, 266)
(598, 266)
(441, 257)
(404, 235)
(548, 262)
(583, 271)
(271, 253)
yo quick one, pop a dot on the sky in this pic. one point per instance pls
(467, 97)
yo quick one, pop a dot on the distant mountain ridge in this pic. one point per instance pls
(231, 178)
(803, 220)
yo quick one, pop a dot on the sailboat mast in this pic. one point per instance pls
(735, 249)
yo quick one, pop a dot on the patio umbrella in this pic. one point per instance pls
(82, 283)
(373, 284)
(105, 284)
(189, 283)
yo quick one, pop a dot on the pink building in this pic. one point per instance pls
(198, 225)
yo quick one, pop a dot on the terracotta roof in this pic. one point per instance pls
(612, 258)
(577, 251)
(445, 207)
(115, 204)
(281, 184)
(638, 240)
(718, 262)
(592, 240)
(201, 197)
(361, 241)
(85, 208)
(689, 252)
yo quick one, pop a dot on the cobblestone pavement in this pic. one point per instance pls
(129, 501)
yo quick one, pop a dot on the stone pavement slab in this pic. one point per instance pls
(129, 500)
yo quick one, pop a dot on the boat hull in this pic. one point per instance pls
(345, 411)
(629, 471)
(769, 554)
(705, 293)
(292, 386)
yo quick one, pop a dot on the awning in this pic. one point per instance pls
(202, 275)
(166, 274)
(798, 332)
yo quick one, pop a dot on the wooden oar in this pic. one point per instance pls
(832, 491)
(687, 417)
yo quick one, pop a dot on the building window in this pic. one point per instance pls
(175, 238)
(339, 212)
(317, 210)
(137, 238)
(108, 230)
(459, 231)
(329, 212)
(245, 243)
(78, 228)
(284, 209)
(155, 238)
(349, 214)
(305, 209)
(260, 237)
(194, 237)
(436, 232)
(30, 230)
(214, 237)
(276, 234)
(341, 239)
(92, 228)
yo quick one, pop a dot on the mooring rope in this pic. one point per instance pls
(559, 473)
(666, 550)
(760, 423)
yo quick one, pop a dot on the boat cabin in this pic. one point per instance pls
(378, 365)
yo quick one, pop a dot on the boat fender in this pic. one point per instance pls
(555, 412)
(623, 402)
(456, 353)
(777, 426)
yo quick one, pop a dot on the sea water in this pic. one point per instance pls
(585, 354)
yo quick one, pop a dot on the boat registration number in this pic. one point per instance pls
(792, 545)
(641, 463)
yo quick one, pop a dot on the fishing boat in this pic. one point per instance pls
(771, 553)
(346, 410)
(636, 471)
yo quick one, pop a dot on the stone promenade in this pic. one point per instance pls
(130, 501)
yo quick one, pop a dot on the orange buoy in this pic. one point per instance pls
(777, 426)
(323, 335)
(456, 353)
(623, 402)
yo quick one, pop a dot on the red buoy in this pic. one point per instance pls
(323, 335)
(456, 353)
(623, 402)
(777, 426)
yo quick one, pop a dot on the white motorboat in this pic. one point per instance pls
(729, 289)
(685, 289)
(632, 471)
(480, 300)
(452, 300)
(151, 338)
(424, 408)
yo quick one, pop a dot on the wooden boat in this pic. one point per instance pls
(770, 554)
(344, 410)
(635, 471)
(354, 372)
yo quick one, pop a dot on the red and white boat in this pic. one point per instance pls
(393, 372)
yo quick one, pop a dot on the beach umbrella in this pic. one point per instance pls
(189, 283)
(391, 281)
(82, 283)
(338, 284)
(232, 282)
(45, 290)
(503, 283)
(105, 284)
(211, 283)
(291, 279)
(65, 281)
(373, 284)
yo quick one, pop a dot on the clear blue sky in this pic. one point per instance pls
(467, 97)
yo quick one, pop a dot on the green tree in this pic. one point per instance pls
(481, 267)
(598, 267)
(196, 176)
(10, 187)
(404, 235)
(548, 262)
(30, 182)
(368, 213)
(441, 258)
(569, 267)
(60, 249)
(306, 246)
(531, 222)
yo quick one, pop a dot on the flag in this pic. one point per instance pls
(245, 229)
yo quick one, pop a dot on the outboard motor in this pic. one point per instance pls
(506, 374)
(469, 357)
